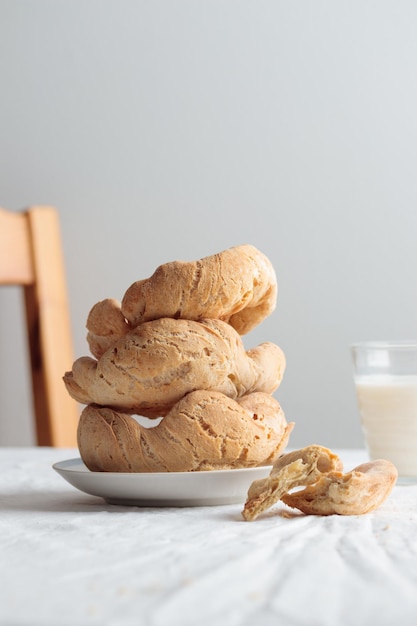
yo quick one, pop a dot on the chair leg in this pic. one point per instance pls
(50, 339)
(44, 435)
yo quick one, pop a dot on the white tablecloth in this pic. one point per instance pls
(67, 558)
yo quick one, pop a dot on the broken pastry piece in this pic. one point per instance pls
(360, 491)
(327, 489)
(295, 469)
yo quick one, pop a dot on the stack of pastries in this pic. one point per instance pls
(172, 349)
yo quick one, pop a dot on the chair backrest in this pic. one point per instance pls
(31, 256)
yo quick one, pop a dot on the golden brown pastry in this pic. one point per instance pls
(203, 431)
(237, 285)
(294, 469)
(360, 491)
(105, 324)
(152, 367)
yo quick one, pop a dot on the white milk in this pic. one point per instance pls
(388, 409)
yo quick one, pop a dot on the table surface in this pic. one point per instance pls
(67, 558)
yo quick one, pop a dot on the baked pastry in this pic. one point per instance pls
(173, 349)
(294, 469)
(327, 489)
(106, 325)
(205, 430)
(237, 286)
(357, 492)
(153, 366)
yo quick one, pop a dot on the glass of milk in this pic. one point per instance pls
(386, 389)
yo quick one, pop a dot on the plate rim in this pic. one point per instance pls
(162, 489)
(81, 468)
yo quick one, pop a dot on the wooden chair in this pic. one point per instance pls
(31, 256)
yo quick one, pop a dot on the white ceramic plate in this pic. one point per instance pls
(163, 489)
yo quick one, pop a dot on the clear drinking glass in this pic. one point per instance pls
(386, 388)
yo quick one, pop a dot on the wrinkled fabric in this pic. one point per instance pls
(67, 558)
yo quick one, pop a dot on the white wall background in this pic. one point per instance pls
(173, 129)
